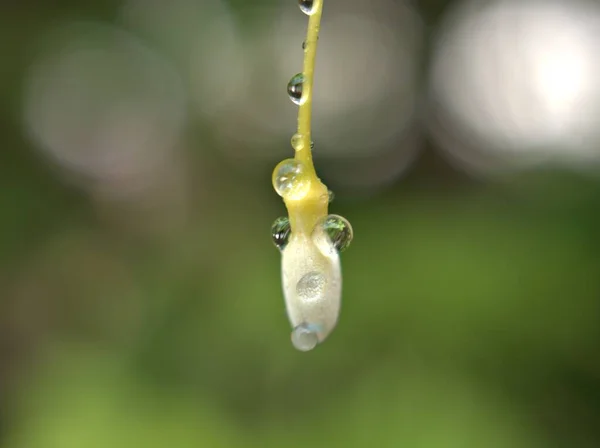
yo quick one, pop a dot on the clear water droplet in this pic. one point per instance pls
(295, 88)
(331, 196)
(280, 232)
(312, 145)
(338, 230)
(297, 142)
(305, 44)
(308, 7)
(304, 337)
(290, 179)
(311, 286)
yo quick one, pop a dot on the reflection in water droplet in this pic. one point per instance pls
(298, 142)
(295, 88)
(280, 232)
(311, 286)
(290, 180)
(304, 337)
(307, 6)
(338, 229)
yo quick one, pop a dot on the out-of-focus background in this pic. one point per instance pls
(140, 299)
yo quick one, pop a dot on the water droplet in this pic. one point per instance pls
(297, 142)
(295, 88)
(305, 44)
(312, 145)
(338, 229)
(304, 337)
(290, 180)
(328, 197)
(307, 6)
(280, 232)
(311, 286)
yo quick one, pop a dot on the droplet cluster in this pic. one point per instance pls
(292, 180)
(336, 228)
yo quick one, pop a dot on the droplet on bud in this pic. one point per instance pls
(338, 230)
(328, 197)
(295, 89)
(280, 232)
(304, 337)
(331, 196)
(290, 180)
(311, 286)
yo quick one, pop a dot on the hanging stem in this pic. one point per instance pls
(305, 109)
(305, 213)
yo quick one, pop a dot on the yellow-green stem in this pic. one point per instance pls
(305, 110)
(305, 212)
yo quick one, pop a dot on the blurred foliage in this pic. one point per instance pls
(470, 314)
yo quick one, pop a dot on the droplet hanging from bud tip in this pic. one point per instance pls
(304, 338)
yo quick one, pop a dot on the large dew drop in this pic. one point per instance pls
(295, 89)
(308, 7)
(290, 179)
(338, 230)
(304, 337)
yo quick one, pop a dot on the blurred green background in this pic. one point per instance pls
(155, 318)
